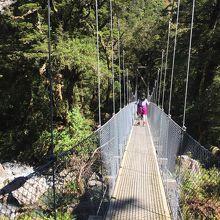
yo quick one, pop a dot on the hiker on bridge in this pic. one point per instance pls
(142, 109)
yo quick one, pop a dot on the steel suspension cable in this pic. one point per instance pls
(98, 72)
(154, 91)
(127, 85)
(148, 84)
(124, 76)
(112, 53)
(129, 91)
(157, 84)
(119, 62)
(174, 55)
(143, 81)
(51, 108)
(165, 71)
(136, 85)
(188, 64)
(161, 73)
(98, 65)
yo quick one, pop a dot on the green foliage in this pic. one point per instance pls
(73, 186)
(38, 216)
(62, 216)
(200, 193)
(25, 117)
(78, 128)
(29, 6)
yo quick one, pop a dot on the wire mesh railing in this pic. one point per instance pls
(85, 177)
(190, 173)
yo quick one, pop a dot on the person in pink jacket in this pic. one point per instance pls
(142, 109)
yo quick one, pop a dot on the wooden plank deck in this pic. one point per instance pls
(139, 192)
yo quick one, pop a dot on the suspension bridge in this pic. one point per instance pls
(132, 172)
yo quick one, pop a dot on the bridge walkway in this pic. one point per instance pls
(139, 193)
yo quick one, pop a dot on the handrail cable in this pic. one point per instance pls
(98, 67)
(51, 108)
(174, 55)
(165, 71)
(188, 64)
(112, 53)
(161, 73)
(119, 62)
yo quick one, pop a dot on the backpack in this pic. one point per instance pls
(140, 109)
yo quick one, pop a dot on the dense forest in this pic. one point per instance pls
(141, 28)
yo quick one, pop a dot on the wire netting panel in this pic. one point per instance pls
(154, 122)
(190, 173)
(173, 144)
(77, 183)
(113, 138)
